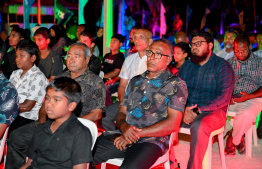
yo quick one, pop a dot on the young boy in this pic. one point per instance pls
(94, 62)
(63, 142)
(29, 82)
(111, 66)
(50, 62)
(9, 64)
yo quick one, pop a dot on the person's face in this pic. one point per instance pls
(52, 32)
(259, 40)
(56, 105)
(14, 38)
(131, 37)
(179, 55)
(229, 40)
(142, 42)
(199, 47)
(76, 61)
(41, 42)
(23, 60)
(85, 40)
(241, 51)
(79, 30)
(115, 44)
(155, 65)
(99, 32)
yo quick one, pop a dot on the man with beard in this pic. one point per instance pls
(228, 52)
(210, 82)
(246, 100)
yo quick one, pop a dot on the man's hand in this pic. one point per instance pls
(243, 98)
(130, 132)
(120, 143)
(111, 81)
(189, 115)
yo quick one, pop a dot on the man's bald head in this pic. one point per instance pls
(181, 37)
(148, 34)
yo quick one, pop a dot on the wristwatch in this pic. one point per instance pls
(196, 110)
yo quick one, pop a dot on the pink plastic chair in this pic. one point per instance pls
(248, 134)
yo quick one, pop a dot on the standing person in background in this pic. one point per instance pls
(57, 41)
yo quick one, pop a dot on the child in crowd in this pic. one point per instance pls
(50, 62)
(182, 52)
(63, 142)
(94, 62)
(29, 82)
(111, 66)
(9, 64)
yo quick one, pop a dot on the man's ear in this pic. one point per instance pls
(92, 45)
(72, 106)
(0, 57)
(33, 58)
(210, 45)
(150, 42)
(87, 59)
(249, 47)
(121, 44)
(48, 40)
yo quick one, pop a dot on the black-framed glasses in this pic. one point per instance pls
(156, 55)
(196, 44)
(241, 52)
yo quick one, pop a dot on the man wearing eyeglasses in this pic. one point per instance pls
(246, 99)
(210, 82)
(133, 65)
(151, 110)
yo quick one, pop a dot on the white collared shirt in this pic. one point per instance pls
(30, 86)
(223, 54)
(132, 66)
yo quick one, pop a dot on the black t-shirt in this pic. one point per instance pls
(69, 145)
(94, 64)
(111, 62)
(9, 64)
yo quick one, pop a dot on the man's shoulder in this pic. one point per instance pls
(131, 57)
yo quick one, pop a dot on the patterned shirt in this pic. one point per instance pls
(31, 86)
(93, 92)
(248, 74)
(147, 102)
(9, 104)
(209, 86)
(258, 53)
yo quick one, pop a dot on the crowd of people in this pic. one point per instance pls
(161, 85)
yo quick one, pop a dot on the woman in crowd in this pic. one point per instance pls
(58, 41)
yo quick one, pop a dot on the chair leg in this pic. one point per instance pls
(248, 139)
(221, 150)
(103, 165)
(254, 133)
(208, 155)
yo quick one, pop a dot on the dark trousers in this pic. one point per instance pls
(139, 155)
(17, 145)
(200, 129)
(108, 122)
(19, 122)
(110, 90)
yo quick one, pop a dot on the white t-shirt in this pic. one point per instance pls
(30, 86)
(225, 55)
(132, 66)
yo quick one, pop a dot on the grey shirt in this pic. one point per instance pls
(52, 65)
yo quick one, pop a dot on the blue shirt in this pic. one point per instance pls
(209, 86)
(9, 104)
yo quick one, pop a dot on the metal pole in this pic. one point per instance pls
(39, 12)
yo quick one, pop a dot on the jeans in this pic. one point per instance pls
(17, 145)
(139, 155)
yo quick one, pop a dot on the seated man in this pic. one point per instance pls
(151, 110)
(228, 51)
(210, 82)
(73, 149)
(91, 106)
(50, 63)
(134, 64)
(9, 64)
(30, 83)
(111, 66)
(9, 104)
(246, 100)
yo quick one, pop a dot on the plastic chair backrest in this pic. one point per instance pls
(92, 127)
(2, 146)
